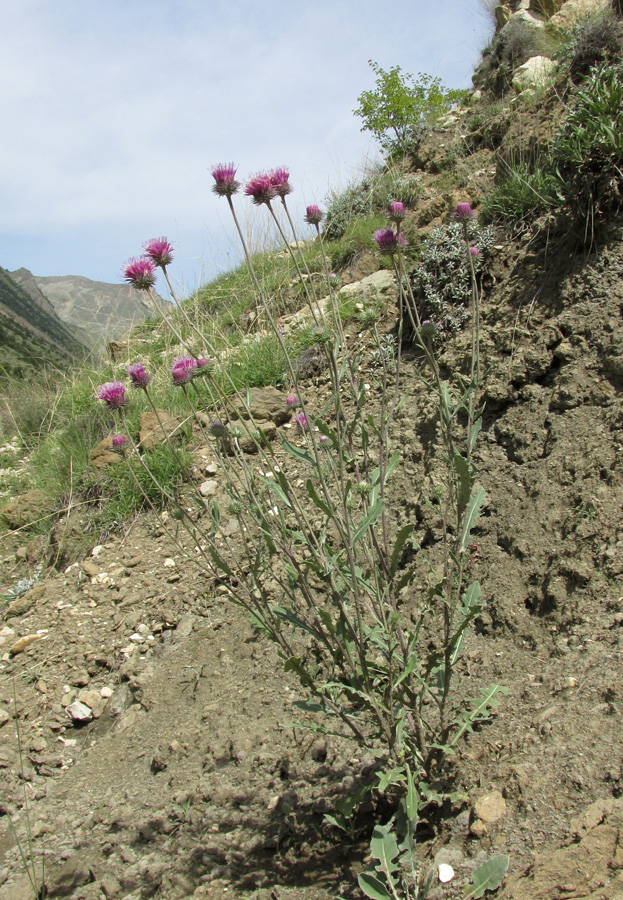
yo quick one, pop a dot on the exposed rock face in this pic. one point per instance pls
(26, 509)
(267, 405)
(573, 11)
(152, 425)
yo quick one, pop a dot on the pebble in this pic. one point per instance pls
(490, 808)
(23, 643)
(4, 717)
(79, 712)
(208, 488)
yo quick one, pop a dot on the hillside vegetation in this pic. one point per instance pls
(316, 589)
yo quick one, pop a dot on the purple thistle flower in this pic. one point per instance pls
(463, 212)
(225, 177)
(118, 442)
(300, 420)
(183, 370)
(427, 329)
(474, 251)
(261, 188)
(139, 375)
(280, 179)
(218, 429)
(291, 401)
(388, 241)
(113, 393)
(397, 212)
(160, 251)
(323, 439)
(140, 273)
(314, 215)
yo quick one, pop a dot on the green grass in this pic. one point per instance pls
(522, 196)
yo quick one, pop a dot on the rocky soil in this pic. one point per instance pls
(156, 753)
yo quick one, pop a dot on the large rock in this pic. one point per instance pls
(103, 455)
(535, 74)
(151, 428)
(26, 509)
(372, 288)
(573, 11)
(267, 405)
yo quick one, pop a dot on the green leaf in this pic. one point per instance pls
(481, 705)
(219, 562)
(296, 452)
(311, 490)
(383, 846)
(286, 615)
(402, 537)
(392, 462)
(411, 797)
(369, 519)
(372, 887)
(473, 511)
(466, 477)
(488, 876)
(390, 776)
(309, 706)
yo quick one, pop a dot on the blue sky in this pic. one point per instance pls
(113, 114)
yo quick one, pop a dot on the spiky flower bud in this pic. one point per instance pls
(225, 180)
(139, 375)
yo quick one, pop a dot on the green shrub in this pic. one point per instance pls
(401, 106)
(441, 282)
(587, 153)
(522, 195)
(355, 241)
(595, 40)
(372, 194)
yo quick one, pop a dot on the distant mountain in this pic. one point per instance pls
(31, 333)
(103, 312)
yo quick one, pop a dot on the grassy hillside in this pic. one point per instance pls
(31, 336)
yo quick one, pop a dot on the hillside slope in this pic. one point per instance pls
(31, 333)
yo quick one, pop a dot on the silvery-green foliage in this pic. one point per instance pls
(441, 282)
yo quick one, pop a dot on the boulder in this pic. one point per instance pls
(268, 404)
(103, 454)
(375, 286)
(573, 11)
(535, 74)
(25, 509)
(151, 430)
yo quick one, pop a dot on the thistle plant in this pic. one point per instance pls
(324, 571)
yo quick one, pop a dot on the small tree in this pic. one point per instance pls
(401, 105)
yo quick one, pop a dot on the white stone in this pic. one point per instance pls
(537, 72)
(208, 488)
(169, 563)
(446, 873)
(97, 550)
(79, 712)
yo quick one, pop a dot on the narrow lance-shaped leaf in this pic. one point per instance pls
(369, 519)
(473, 511)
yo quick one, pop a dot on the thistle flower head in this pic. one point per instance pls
(280, 179)
(224, 176)
(139, 375)
(218, 429)
(396, 211)
(140, 273)
(314, 215)
(113, 393)
(388, 241)
(291, 401)
(474, 251)
(118, 442)
(463, 212)
(202, 365)
(183, 370)
(323, 439)
(427, 329)
(261, 189)
(300, 420)
(159, 251)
